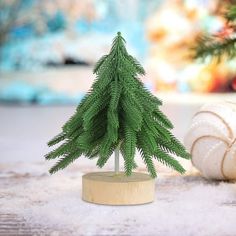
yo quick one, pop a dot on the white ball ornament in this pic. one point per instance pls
(211, 139)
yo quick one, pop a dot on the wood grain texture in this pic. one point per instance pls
(111, 189)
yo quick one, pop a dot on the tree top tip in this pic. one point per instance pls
(119, 33)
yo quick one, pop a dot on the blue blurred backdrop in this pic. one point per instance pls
(47, 47)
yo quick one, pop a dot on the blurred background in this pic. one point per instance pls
(48, 47)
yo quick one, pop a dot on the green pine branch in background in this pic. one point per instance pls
(218, 46)
(231, 14)
(118, 112)
(209, 46)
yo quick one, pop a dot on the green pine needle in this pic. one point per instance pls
(57, 139)
(169, 161)
(64, 162)
(128, 149)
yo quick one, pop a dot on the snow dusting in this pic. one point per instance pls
(184, 205)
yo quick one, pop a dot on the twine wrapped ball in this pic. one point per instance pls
(211, 139)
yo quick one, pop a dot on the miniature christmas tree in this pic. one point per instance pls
(118, 115)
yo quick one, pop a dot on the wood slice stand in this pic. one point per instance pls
(117, 189)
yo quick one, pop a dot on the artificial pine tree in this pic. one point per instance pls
(118, 115)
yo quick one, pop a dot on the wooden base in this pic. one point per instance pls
(117, 189)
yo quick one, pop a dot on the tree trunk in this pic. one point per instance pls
(117, 164)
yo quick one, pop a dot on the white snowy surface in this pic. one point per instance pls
(184, 205)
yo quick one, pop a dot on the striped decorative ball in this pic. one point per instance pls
(211, 139)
